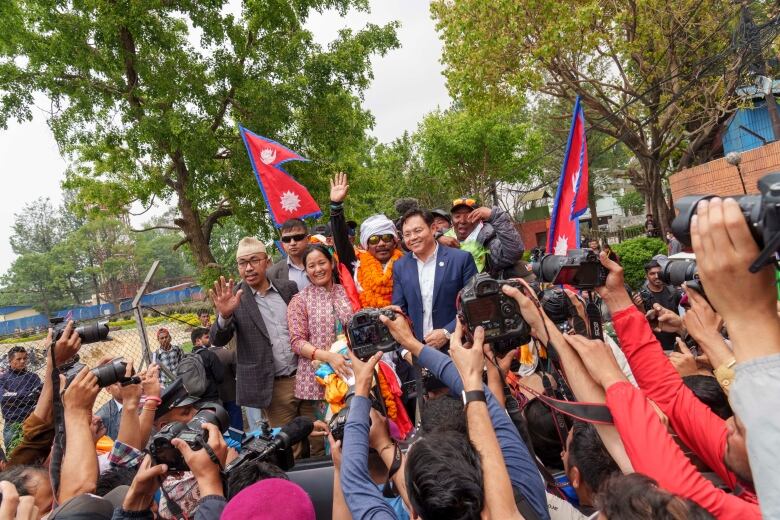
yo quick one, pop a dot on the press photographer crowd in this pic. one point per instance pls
(419, 368)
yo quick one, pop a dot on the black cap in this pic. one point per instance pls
(351, 227)
(84, 507)
(174, 396)
(322, 229)
(443, 214)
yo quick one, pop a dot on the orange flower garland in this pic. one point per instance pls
(375, 281)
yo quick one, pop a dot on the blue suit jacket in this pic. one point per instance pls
(453, 269)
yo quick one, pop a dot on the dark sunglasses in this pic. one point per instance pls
(386, 238)
(298, 238)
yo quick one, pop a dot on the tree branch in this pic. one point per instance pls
(174, 228)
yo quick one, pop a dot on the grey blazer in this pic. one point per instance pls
(254, 354)
(279, 271)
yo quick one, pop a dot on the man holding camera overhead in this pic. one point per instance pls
(255, 310)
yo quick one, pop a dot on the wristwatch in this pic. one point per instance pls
(447, 334)
(473, 395)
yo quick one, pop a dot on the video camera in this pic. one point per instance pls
(164, 452)
(762, 213)
(88, 333)
(107, 375)
(579, 268)
(276, 450)
(483, 304)
(367, 335)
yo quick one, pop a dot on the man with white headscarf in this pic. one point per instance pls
(372, 264)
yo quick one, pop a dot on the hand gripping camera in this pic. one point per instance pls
(483, 304)
(163, 452)
(579, 268)
(367, 335)
(107, 375)
(88, 333)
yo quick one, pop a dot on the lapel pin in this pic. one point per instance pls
(441, 264)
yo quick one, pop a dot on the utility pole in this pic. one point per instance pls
(748, 34)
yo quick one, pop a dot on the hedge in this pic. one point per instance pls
(634, 254)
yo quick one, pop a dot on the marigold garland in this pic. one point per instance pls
(375, 280)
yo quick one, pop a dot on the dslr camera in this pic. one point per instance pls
(88, 333)
(557, 306)
(761, 212)
(163, 452)
(483, 304)
(579, 268)
(107, 375)
(367, 335)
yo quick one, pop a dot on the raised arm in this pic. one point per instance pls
(338, 224)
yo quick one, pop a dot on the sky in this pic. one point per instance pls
(407, 85)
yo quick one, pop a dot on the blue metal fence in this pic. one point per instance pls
(31, 322)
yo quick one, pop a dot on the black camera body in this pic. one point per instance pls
(579, 268)
(367, 335)
(164, 452)
(483, 304)
(762, 213)
(88, 333)
(556, 305)
(107, 375)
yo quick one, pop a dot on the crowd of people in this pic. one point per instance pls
(668, 416)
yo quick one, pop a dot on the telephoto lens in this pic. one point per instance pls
(110, 373)
(93, 333)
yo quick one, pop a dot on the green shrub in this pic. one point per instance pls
(634, 254)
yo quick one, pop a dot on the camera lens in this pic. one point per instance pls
(93, 333)
(675, 272)
(546, 269)
(215, 415)
(110, 373)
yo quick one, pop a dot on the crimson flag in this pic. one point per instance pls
(284, 197)
(571, 200)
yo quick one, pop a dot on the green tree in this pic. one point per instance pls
(634, 254)
(631, 202)
(657, 76)
(146, 114)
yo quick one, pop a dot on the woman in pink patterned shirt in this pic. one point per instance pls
(315, 317)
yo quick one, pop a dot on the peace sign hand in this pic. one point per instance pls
(224, 300)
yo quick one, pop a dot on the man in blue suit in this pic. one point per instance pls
(426, 281)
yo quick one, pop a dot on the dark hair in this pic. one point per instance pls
(652, 264)
(114, 477)
(709, 392)
(15, 350)
(198, 332)
(203, 311)
(325, 251)
(588, 453)
(424, 214)
(444, 413)
(250, 473)
(444, 477)
(294, 223)
(20, 476)
(638, 497)
(544, 435)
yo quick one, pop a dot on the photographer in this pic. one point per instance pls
(654, 292)
(522, 470)
(747, 302)
(138, 500)
(720, 444)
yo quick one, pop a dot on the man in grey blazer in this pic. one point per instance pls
(255, 310)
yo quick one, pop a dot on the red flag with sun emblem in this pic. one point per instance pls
(284, 197)
(571, 200)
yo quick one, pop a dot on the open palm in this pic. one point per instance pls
(222, 295)
(339, 187)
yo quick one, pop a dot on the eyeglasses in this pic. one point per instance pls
(298, 238)
(254, 261)
(386, 238)
(462, 200)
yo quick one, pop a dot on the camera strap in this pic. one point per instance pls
(58, 448)
(595, 413)
(389, 490)
(593, 313)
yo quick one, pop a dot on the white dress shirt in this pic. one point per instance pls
(426, 274)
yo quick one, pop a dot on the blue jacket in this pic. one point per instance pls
(111, 416)
(453, 269)
(18, 394)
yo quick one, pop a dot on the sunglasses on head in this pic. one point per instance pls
(467, 202)
(386, 238)
(289, 238)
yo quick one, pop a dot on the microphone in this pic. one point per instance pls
(293, 432)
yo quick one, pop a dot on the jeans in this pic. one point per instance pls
(234, 412)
